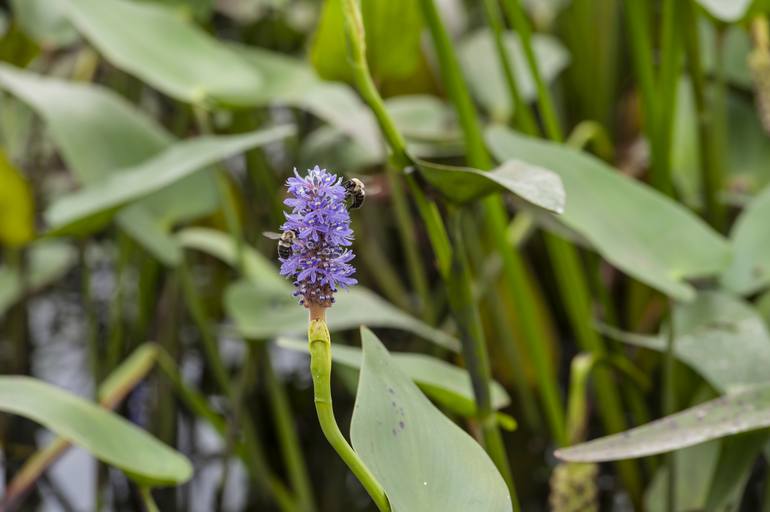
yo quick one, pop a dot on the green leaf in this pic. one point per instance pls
(716, 323)
(76, 115)
(445, 383)
(48, 261)
(93, 204)
(726, 10)
(107, 436)
(537, 186)
(17, 208)
(44, 21)
(261, 314)
(168, 52)
(423, 460)
(391, 53)
(728, 415)
(749, 270)
(482, 69)
(622, 218)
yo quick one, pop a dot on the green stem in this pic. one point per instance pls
(496, 222)
(478, 156)
(247, 450)
(533, 331)
(287, 437)
(571, 278)
(475, 351)
(669, 404)
(521, 113)
(319, 341)
(456, 286)
(147, 500)
(519, 22)
(711, 166)
(407, 233)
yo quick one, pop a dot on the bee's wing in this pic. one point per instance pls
(272, 235)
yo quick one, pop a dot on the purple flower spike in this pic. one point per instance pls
(320, 261)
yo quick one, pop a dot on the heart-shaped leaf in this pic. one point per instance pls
(109, 437)
(168, 52)
(422, 459)
(94, 204)
(537, 186)
(728, 415)
(637, 229)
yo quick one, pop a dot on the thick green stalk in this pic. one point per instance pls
(475, 351)
(711, 166)
(496, 220)
(287, 437)
(319, 342)
(532, 330)
(519, 22)
(521, 114)
(456, 285)
(147, 500)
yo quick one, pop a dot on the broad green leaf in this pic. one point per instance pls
(716, 324)
(98, 133)
(634, 227)
(749, 270)
(392, 53)
(93, 204)
(107, 436)
(422, 459)
(44, 21)
(537, 186)
(728, 415)
(259, 314)
(47, 262)
(292, 82)
(17, 209)
(736, 45)
(445, 383)
(726, 10)
(157, 45)
(482, 69)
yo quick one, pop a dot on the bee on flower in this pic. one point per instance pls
(320, 255)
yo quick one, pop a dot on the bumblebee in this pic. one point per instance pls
(285, 242)
(355, 193)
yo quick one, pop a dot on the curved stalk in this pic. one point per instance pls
(319, 341)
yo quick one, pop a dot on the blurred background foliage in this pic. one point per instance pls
(618, 270)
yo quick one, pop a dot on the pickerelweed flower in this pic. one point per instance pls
(320, 259)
